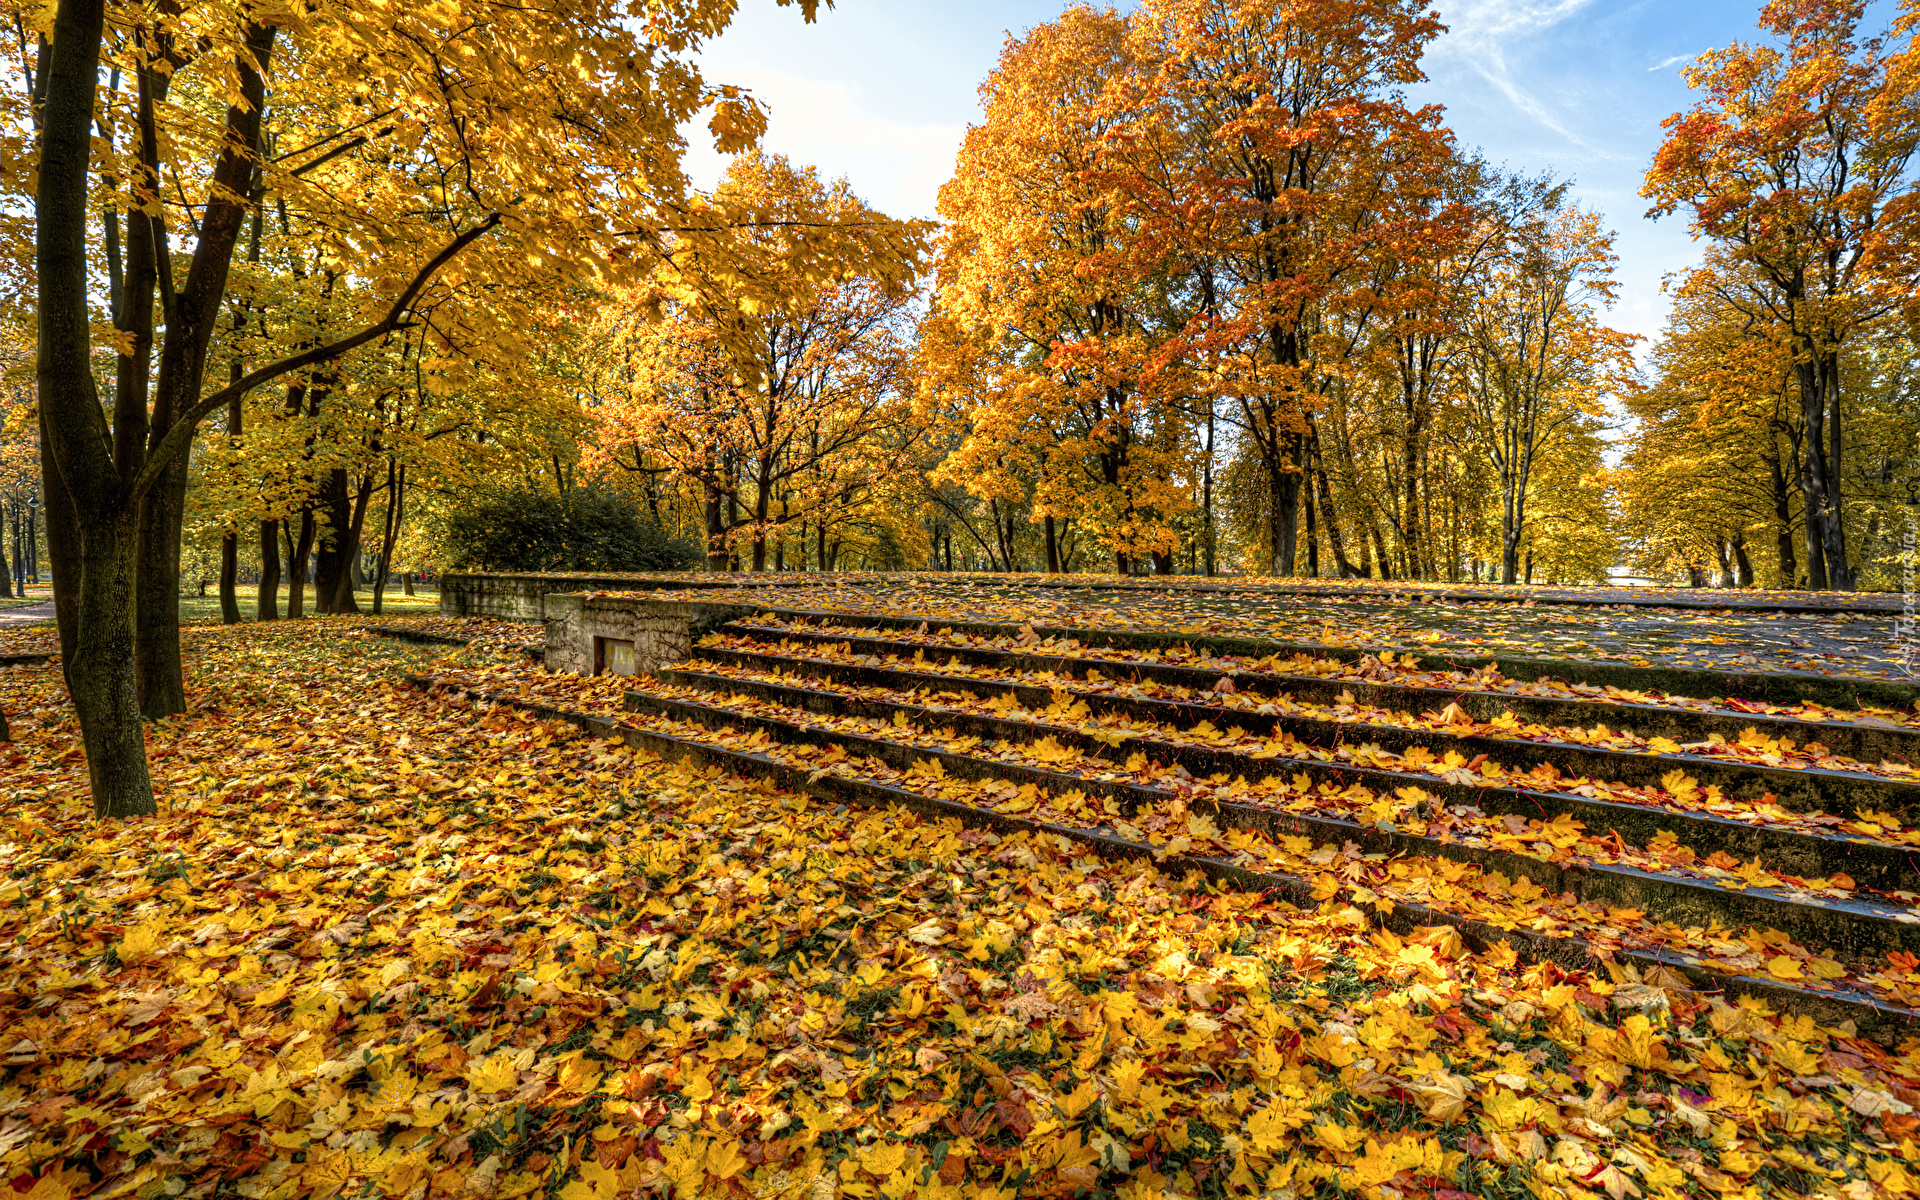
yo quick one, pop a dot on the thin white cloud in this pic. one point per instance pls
(897, 166)
(1664, 63)
(1478, 34)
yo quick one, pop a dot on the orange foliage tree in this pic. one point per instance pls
(1797, 161)
(785, 407)
(1046, 344)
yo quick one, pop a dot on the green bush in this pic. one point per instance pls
(533, 529)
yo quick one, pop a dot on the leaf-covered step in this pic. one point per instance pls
(1485, 698)
(1878, 865)
(805, 768)
(1854, 929)
(1798, 789)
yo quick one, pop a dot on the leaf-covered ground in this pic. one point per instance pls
(380, 943)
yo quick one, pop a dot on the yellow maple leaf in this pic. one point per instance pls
(684, 1166)
(883, 1159)
(595, 1181)
(1444, 1098)
(139, 943)
(724, 1159)
(327, 1171)
(494, 1073)
(1782, 967)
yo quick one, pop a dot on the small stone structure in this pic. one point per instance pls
(627, 635)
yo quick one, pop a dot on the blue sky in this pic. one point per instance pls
(881, 90)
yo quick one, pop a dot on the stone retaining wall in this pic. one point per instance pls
(518, 597)
(613, 635)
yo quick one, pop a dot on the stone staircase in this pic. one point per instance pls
(1714, 843)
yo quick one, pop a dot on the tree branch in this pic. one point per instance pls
(178, 437)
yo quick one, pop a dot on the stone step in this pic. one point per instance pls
(1871, 864)
(1876, 1019)
(1791, 788)
(1855, 930)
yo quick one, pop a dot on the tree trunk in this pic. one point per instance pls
(63, 547)
(1813, 466)
(103, 680)
(230, 544)
(1162, 563)
(1833, 524)
(343, 601)
(390, 530)
(1783, 525)
(297, 568)
(267, 607)
(6, 571)
(760, 501)
(1813, 509)
(1053, 545)
(1509, 556)
(156, 622)
(1742, 562)
(100, 673)
(716, 543)
(406, 583)
(1313, 538)
(229, 579)
(1378, 547)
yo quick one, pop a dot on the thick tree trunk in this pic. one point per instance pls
(267, 607)
(1313, 538)
(103, 680)
(156, 620)
(1162, 563)
(342, 600)
(334, 558)
(230, 579)
(1742, 562)
(1812, 504)
(1053, 545)
(99, 669)
(1510, 556)
(1814, 478)
(63, 548)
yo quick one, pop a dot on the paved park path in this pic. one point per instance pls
(31, 614)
